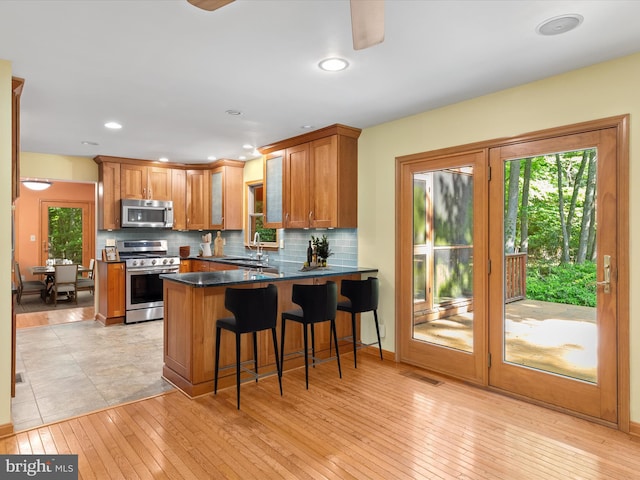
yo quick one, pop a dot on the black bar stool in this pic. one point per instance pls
(318, 304)
(254, 310)
(362, 297)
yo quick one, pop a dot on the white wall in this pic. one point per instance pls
(599, 91)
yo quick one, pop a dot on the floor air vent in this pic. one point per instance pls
(19, 378)
(423, 378)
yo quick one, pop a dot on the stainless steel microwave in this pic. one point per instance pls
(147, 213)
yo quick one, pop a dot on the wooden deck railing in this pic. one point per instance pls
(516, 277)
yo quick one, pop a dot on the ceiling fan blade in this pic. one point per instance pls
(367, 23)
(209, 5)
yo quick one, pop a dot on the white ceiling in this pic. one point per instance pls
(169, 71)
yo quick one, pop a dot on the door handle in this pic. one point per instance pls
(607, 274)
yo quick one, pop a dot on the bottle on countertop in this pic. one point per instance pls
(309, 253)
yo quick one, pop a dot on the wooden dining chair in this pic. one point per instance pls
(65, 282)
(30, 287)
(87, 283)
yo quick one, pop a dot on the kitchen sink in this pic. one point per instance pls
(262, 275)
(246, 262)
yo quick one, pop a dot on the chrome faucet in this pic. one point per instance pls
(256, 243)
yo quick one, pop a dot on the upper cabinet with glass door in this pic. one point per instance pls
(273, 170)
(225, 183)
(311, 180)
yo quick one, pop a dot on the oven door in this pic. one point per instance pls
(144, 294)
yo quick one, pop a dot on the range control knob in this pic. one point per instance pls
(134, 263)
(153, 262)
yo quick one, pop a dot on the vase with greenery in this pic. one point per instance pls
(322, 249)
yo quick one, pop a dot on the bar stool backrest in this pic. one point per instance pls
(318, 302)
(254, 309)
(362, 293)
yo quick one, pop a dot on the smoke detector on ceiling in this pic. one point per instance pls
(559, 24)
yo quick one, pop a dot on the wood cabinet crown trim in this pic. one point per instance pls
(223, 162)
(336, 129)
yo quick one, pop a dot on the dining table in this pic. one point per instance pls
(49, 274)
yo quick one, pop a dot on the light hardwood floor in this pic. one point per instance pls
(54, 317)
(381, 421)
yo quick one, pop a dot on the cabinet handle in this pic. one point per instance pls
(310, 215)
(144, 193)
(150, 194)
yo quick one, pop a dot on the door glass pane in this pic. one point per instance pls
(443, 258)
(273, 180)
(550, 264)
(65, 234)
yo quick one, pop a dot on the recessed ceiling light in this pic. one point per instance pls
(87, 142)
(113, 125)
(234, 112)
(306, 127)
(333, 64)
(211, 157)
(163, 159)
(242, 157)
(246, 146)
(559, 24)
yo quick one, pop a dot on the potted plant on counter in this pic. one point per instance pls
(322, 249)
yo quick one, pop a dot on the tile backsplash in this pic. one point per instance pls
(343, 242)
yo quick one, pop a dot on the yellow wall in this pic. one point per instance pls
(253, 170)
(58, 167)
(5, 243)
(599, 91)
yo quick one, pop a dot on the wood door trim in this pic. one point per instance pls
(88, 249)
(621, 124)
(471, 367)
(532, 383)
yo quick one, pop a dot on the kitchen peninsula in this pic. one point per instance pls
(194, 301)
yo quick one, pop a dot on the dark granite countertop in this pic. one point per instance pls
(273, 272)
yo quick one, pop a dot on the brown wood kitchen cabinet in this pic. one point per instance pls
(145, 183)
(108, 195)
(272, 175)
(188, 186)
(111, 292)
(120, 178)
(189, 335)
(319, 179)
(179, 197)
(208, 266)
(197, 199)
(225, 182)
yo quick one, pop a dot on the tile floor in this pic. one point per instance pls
(79, 367)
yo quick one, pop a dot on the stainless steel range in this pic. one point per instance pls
(145, 261)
